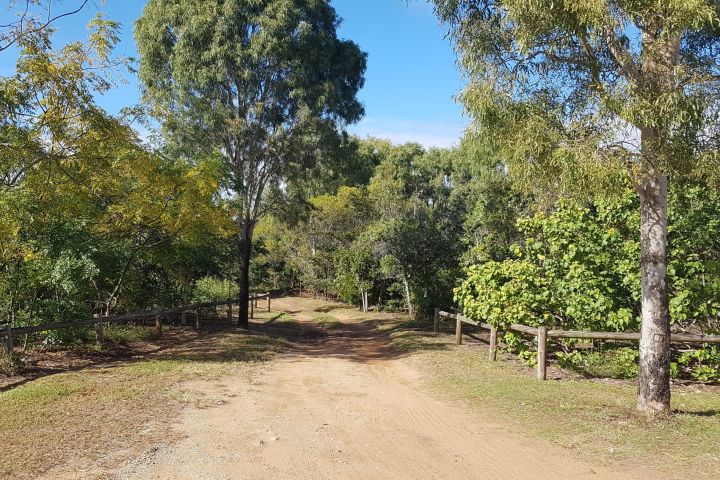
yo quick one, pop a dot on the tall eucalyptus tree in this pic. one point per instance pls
(267, 83)
(576, 94)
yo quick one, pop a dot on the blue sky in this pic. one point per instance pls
(411, 79)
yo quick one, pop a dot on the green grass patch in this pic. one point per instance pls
(284, 317)
(411, 341)
(25, 406)
(155, 367)
(328, 321)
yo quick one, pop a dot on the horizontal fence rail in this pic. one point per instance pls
(543, 333)
(8, 332)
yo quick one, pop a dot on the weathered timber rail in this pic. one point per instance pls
(542, 333)
(8, 332)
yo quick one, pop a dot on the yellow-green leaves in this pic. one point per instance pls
(87, 212)
(564, 89)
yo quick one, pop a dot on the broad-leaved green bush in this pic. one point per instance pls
(577, 268)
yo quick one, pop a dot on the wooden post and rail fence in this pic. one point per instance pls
(542, 334)
(7, 332)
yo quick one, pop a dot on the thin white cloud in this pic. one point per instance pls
(428, 134)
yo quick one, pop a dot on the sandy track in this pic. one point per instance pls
(346, 407)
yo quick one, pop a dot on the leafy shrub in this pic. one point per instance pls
(570, 360)
(211, 289)
(705, 373)
(522, 347)
(67, 337)
(624, 363)
(528, 357)
(577, 268)
(503, 293)
(674, 370)
(130, 333)
(619, 363)
(10, 364)
(702, 364)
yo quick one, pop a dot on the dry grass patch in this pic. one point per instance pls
(98, 416)
(594, 417)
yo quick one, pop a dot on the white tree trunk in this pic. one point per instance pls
(408, 297)
(654, 375)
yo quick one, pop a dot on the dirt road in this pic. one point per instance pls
(346, 406)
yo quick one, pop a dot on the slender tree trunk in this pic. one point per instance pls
(660, 57)
(245, 253)
(408, 297)
(654, 375)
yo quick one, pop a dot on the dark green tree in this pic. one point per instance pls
(266, 83)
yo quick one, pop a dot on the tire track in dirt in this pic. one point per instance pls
(346, 406)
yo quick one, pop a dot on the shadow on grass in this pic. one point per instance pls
(330, 308)
(215, 342)
(225, 348)
(219, 342)
(392, 325)
(697, 413)
(89, 357)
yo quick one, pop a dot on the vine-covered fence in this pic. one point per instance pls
(8, 331)
(542, 334)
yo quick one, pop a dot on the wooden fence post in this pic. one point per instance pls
(99, 333)
(229, 311)
(268, 302)
(183, 317)
(542, 353)
(436, 321)
(8, 339)
(492, 356)
(458, 330)
(197, 318)
(158, 326)
(252, 308)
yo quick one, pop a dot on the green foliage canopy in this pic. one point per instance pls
(265, 83)
(564, 91)
(577, 267)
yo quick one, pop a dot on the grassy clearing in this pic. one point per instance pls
(327, 320)
(595, 418)
(407, 341)
(80, 416)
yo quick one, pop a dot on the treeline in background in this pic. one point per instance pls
(96, 219)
